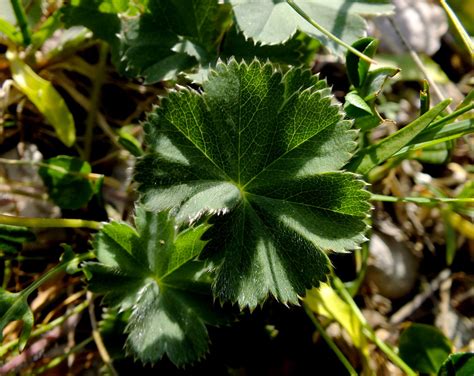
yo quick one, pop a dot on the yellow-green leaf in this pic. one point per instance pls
(326, 302)
(45, 97)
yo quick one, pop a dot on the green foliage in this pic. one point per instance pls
(258, 147)
(66, 180)
(12, 238)
(45, 97)
(368, 158)
(176, 36)
(458, 364)
(367, 85)
(171, 37)
(152, 273)
(14, 306)
(424, 348)
(273, 22)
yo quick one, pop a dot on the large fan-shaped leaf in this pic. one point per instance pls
(149, 271)
(265, 150)
(270, 21)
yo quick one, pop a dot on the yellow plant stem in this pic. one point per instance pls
(49, 222)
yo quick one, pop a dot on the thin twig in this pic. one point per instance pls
(416, 58)
(331, 36)
(95, 100)
(419, 299)
(104, 354)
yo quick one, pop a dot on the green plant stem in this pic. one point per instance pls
(49, 222)
(22, 21)
(368, 331)
(329, 341)
(95, 100)
(459, 27)
(362, 257)
(111, 182)
(55, 271)
(59, 359)
(453, 115)
(331, 36)
(419, 200)
(45, 328)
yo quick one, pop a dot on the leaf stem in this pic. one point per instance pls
(109, 181)
(104, 354)
(329, 341)
(368, 331)
(95, 100)
(45, 328)
(22, 21)
(49, 222)
(327, 33)
(416, 59)
(54, 271)
(459, 27)
(59, 359)
(420, 200)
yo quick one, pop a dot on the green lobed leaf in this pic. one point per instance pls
(258, 148)
(67, 184)
(172, 36)
(458, 364)
(151, 272)
(291, 52)
(423, 347)
(273, 22)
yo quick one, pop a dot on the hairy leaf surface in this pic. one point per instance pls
(265, 150)
(272, 22)
(149, 270)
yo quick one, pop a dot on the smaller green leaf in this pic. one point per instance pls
(46, 30)
(10, 31)
(425, 99)
(374, 82)
(45, 97)
(435, 135)
(458, 364)
(65, 178)
(12, 238)
(434, 154)
(14, 306)
(150, 271)
(424, 348)
(375, 154)
(326, 302)
(130, 143)
(355, 106)
(357, 68)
